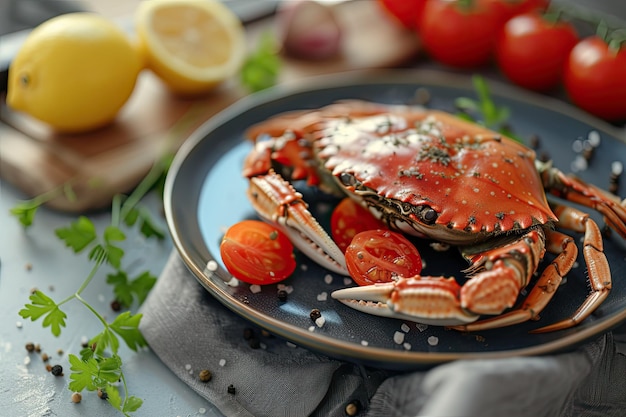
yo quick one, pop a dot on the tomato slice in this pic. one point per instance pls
(380, 256)
(257, 253)
(350, 218)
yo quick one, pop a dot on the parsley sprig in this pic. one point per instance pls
(484, 110)
(99, 365)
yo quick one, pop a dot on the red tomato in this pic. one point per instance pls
(460, 34)
(595, 78)
(407, 12)
(512, 8)
(348, 219)
(531, 51)
(257, 253)
(380, 255)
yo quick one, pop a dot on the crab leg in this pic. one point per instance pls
(428, 300)
(598, 268)
(497, 275)
(577, 191)
(278, 203)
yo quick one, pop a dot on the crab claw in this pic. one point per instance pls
(427, 300)
(278, 203)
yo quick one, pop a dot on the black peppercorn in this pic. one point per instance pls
(282, 295)
(116, 305)
(231, 389)
(315, 314)
(57, 370)
(30, 347)
(102, 394)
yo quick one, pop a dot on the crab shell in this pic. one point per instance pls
(432, 174)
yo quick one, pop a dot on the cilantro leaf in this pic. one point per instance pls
(142, 285)
(25, 212)
(103, 340)
(82, 376)
(127, 327)
(131, 404)
(123, 288)
(42, 305)
(260, 69)
(78, 235)
(92, 373)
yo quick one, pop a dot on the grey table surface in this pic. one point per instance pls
(35, 258)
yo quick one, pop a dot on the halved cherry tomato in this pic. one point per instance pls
(380, 255)
(460, 33)
(350, 218)
(595, 78)
(257, 253)
(407, 12)
(531, 51)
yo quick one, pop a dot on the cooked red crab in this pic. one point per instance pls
(428, 173)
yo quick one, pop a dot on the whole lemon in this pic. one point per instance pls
(74, 72)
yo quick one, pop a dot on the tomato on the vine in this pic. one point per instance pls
(348, 219)
(512, 8)
(595, 78)
(380, 256)
(407, 12)
(460, 33)
(531, 50)
(257, 253)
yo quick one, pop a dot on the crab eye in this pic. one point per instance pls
(347, 179)
(429, 215)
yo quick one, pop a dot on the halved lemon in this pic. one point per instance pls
(192, 45)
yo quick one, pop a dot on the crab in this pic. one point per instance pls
(428, 173)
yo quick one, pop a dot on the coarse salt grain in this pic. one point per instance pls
(433, 340)
(211, 265)
(311, 328)
(255, 288)
(101, 298)
(188, 366)
(320, 321)
(406, 345)
(234, 282)
(287, 288)
(323, 296)
(291, 345)
(347, 281)
(328, 279)
(18, 324)
(27, 360)
(405, 328)
(202, 410)
(222, 362)
(364, 342)
(398, 338)
(304, 267)
(421, 326)
(617, 168)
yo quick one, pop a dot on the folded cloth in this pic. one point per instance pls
(191, 331)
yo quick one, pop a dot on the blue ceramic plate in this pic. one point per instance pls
(205, 194)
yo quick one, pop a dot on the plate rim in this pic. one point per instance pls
(323, 343)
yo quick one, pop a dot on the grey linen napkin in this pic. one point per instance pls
(191, 331)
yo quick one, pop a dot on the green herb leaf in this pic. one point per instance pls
(261, 68)
(78, 235)
(131, 404)
(25, 212)
(123, 288)
(42, 305)
(127, 327)
(103, 340)
(142, 285)
(114, 398)
(83, 372)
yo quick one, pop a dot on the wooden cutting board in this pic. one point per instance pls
(114, 159)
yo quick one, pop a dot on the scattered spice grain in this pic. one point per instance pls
(282, 295)
(30, 347)
(315, 314)
(231, 389)
(205, 375)
(57, 370)
(76, 397)
(102, 394)
(353, 408)
(116, 305)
